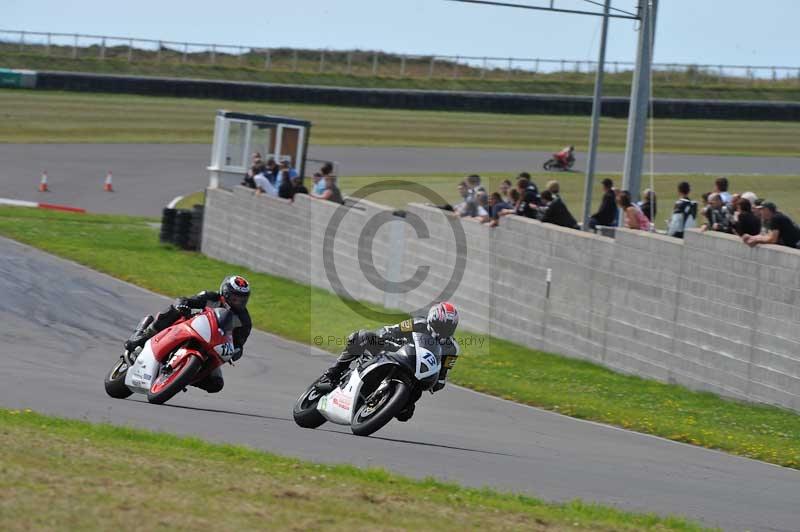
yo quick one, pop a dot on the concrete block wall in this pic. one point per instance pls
(706, 312)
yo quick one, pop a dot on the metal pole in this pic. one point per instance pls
(596, 105)
(267, 60)
(375, 63)
(130, 50)
(103, 48)
(185, 51)
(455, 67)
(430, 68)
(49, 38)
(213, 53)
(402, 66)
(640, 95)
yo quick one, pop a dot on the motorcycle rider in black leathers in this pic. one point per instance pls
(234, 292)
(440, 323)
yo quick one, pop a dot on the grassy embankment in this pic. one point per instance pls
(71, 475)
(127, 247)
(695, 84)
(63, 117)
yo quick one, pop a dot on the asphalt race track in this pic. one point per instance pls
(148, 176)
(61, 337)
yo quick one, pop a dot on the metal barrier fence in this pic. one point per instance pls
(369, 63)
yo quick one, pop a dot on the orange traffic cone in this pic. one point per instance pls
(107, 186)
(43, 183)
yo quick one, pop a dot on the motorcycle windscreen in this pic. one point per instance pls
(429, 354)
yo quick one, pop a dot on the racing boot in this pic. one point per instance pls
(406, 413)
(140, 335)
(330, 379)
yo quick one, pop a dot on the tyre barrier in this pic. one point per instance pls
(413, 99)
(182, 227)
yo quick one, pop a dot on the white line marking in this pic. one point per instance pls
(18, 203)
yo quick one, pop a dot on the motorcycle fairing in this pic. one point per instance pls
(338, 406)
(141, 375)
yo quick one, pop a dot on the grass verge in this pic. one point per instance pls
(69, 117)
(128, 248)
(666, 85)
(72, 475)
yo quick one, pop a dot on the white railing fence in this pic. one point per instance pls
(369, 63)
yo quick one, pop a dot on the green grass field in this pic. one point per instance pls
(72, 475)
(128, 248)
(43, 116)
(695, 85)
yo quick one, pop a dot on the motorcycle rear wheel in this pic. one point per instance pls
(180, 378)
(373, 416)
(115, 381)
(305, 411)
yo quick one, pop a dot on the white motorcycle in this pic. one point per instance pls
(377, 389)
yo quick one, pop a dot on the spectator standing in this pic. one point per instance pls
(529, 197)
(780, 228)
(505, 188)
(331, 192)
(633, 216)
(648, 204)
(482, 200)
(319, 184)
(719, 215)
(607, 213)
(721, 188)
(256, 167)
(746, 223)
(684, 213)
(496, 207)
(264, 186)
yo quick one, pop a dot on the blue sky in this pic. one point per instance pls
(758, 32)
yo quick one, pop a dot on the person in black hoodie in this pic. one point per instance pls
(556, 211)
(607, 213)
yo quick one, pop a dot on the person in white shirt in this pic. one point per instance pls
(263, 186)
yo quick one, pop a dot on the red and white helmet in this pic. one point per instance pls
(443, 319)
(236, 291)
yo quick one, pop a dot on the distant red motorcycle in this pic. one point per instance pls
(562, 160)
(177, 357)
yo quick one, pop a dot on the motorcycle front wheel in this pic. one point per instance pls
(380, 407)
(548, 165)
(115, 381)
(167, 385)
(305, 411)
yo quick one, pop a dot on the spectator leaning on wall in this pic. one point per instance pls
(648, 203)
(746, 223)
(632, 216)
(780, 228)
(529, 198)
(331, 192)
(556, 211)
(719, 215)
(721, 187)
(684, 213)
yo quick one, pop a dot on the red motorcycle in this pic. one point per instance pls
(179, 356)
(560, 161)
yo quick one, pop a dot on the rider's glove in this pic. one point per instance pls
(182, 306)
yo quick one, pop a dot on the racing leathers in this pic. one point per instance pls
(376, 341)
(150, 326)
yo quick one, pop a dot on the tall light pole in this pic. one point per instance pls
(640, 97)
(597, 102)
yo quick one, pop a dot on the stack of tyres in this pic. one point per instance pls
(167, 225)
(183, 226)
(196, 229)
